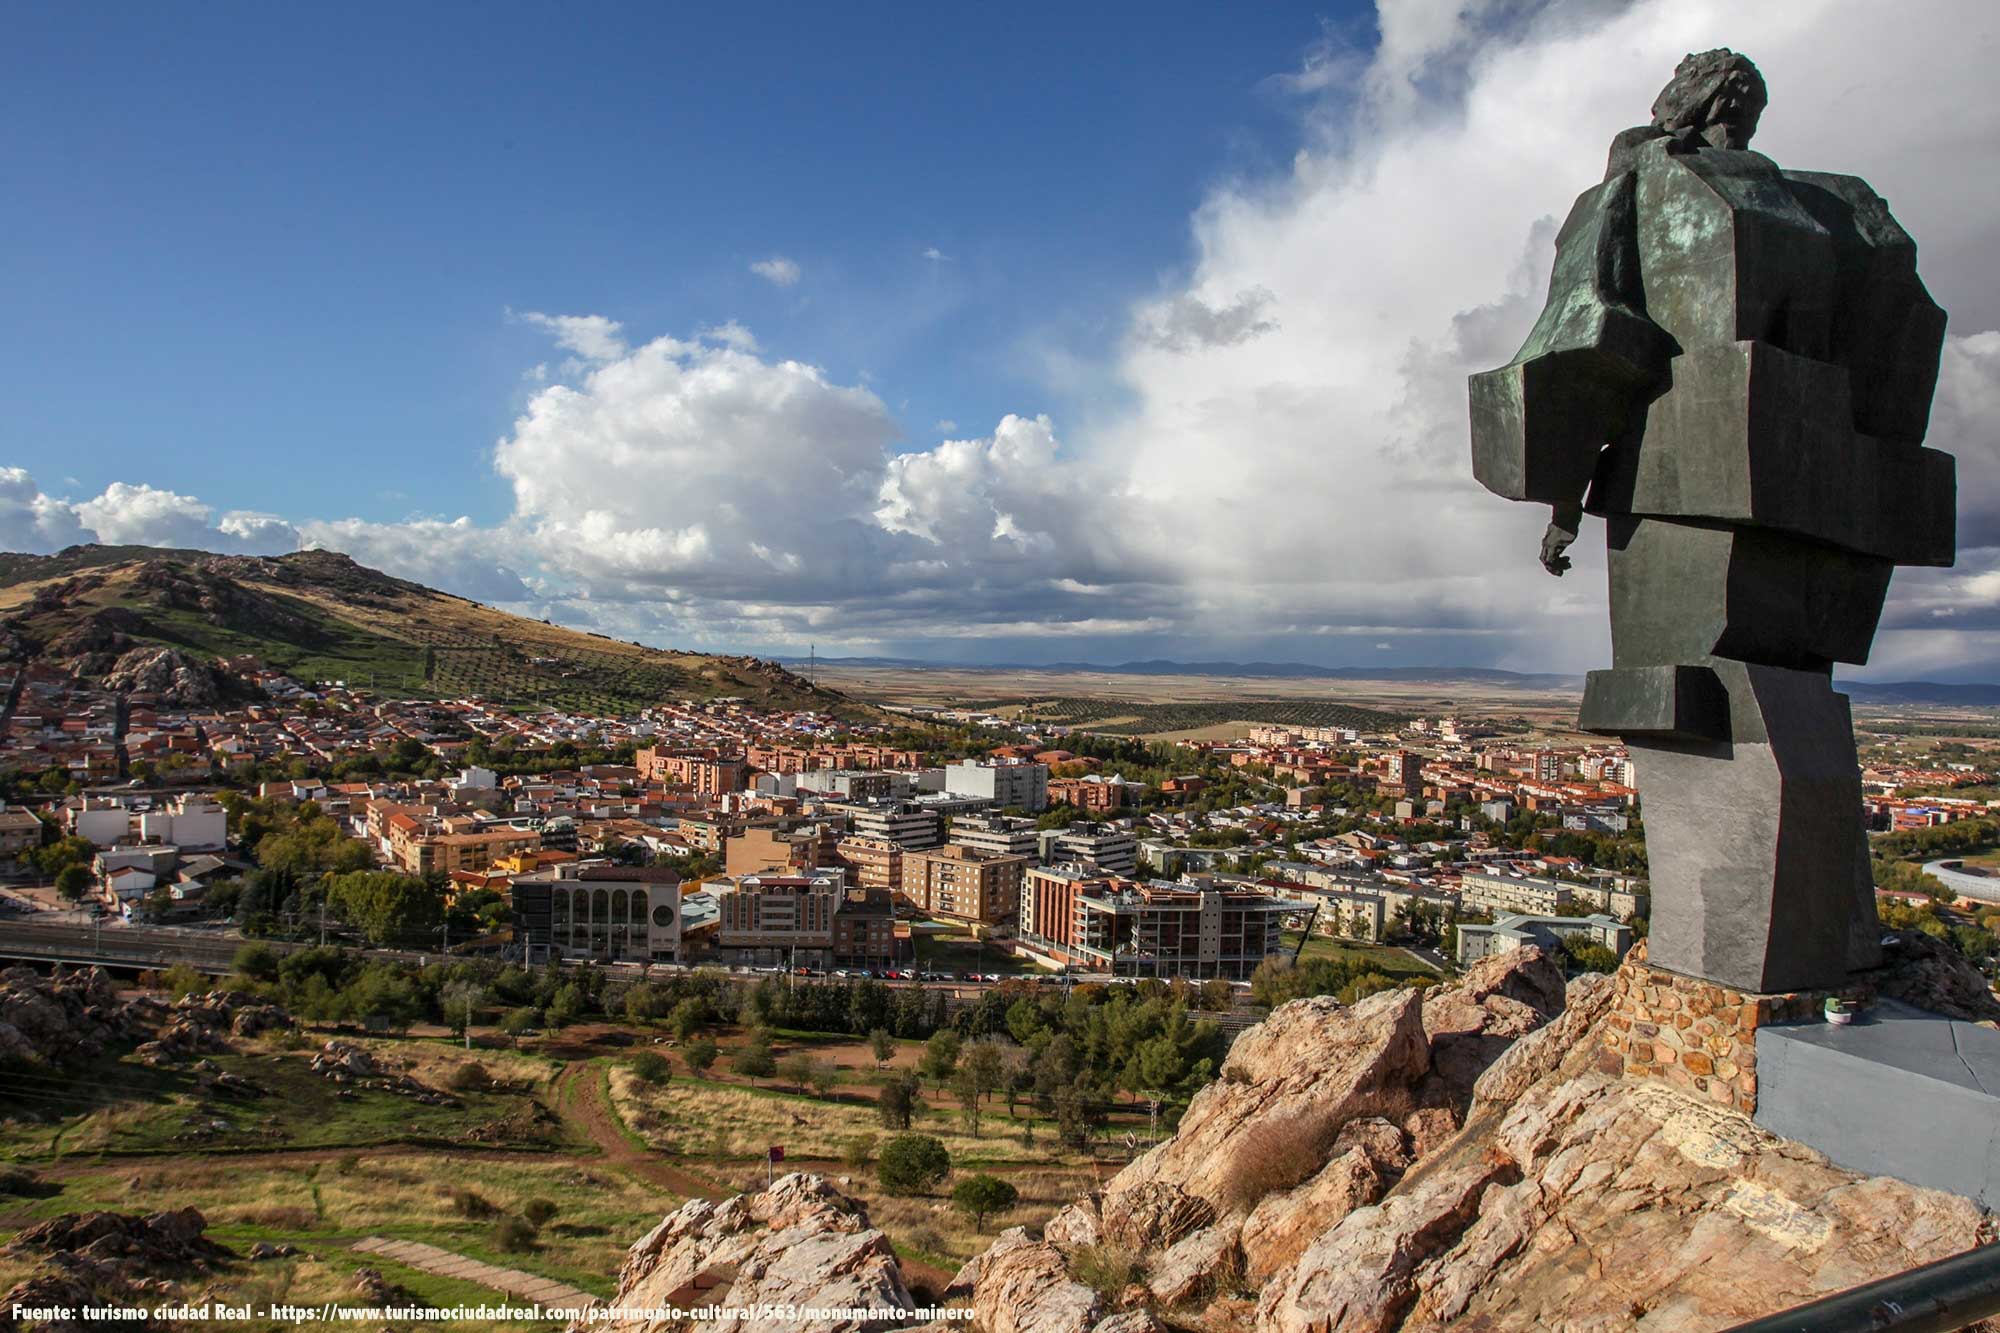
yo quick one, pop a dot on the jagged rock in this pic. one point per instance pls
(1130, 1321)
(800, 1243)
(1196, 1266)
(1930, 974)
(264, 1250)
(1143, 1216)
(1283, 1224)
(1287, 1088)
(62, 1019)
(1021, 1285)
(1359, 1277)
(1540, 1053)
(168, 674)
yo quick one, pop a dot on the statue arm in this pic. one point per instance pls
(1590, 365)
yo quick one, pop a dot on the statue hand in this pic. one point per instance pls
(1555, 541)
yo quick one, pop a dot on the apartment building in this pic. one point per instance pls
(1512, 931)
(710, 774)
(1484, 891)
(773, 850)
(908, 824)
(997, 835)
(962, 884)
(1156, 929)
(872, 863)
(1007, 783)
(423, 853)
(808, 920)
(1094, 793)
(1108, 847)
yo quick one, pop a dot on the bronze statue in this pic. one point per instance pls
(1734, 369)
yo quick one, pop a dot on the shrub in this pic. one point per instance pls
(539, 1212)
(181, 979)
(650, 1067)
(348, 1163)
(857, 1151)
(471, 1203)
(20, 1183)
(1104, 1268)
(899, 1103)
(516, 1021)
(256, 962)
(1275, 1153)
(699, 1054)
(912, 1164)
(513, 1235)
(471, 1077)
(980, 1196)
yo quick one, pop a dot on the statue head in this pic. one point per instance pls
(1717, 96)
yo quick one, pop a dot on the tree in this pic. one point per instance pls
(684, 1018)
(72, 882)
(986, 1066)
(568, 1004)
(461, 1002)
(882, 1046)
(753, 1059)
(857, 1150)
(981, 1196)
(898, 1102)
(822, 1076)
(388, 908)
(699, 1054)
(651, 1067)
(940, 1056)
(797, 1069)
(966, 1088)
(912, 1164)
(256, 962)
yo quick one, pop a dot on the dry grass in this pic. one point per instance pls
(436, 1063)
(701, 1119)
(1277, 1152)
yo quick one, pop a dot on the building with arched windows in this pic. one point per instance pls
(600, 911)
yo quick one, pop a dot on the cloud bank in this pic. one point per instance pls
(1288, 467)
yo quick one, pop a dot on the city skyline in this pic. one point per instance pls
(789, 338)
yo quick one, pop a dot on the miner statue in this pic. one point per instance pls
(1734, 370)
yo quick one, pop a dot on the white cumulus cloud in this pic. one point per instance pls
(777, 270)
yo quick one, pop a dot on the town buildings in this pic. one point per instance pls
(593, 910)
(962, 884)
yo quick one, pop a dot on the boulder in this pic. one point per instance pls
(1281, 1225)
(799, 1243)
(1021, 1285)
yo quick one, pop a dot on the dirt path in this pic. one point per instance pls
(510, 1282)
(579, 1097)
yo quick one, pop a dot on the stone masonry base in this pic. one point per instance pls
(1694, 1034)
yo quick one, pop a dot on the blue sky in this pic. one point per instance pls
(294, 232)
(1015, 333)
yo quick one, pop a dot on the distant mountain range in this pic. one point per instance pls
(1867, 692)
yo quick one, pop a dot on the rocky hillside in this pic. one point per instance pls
(1420, 1161)
(138, 618)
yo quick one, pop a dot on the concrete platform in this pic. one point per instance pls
(1902, 1093)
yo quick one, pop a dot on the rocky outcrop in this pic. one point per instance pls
(60, 1020)
(1458, 1159)
(199, 1024)
(800, 1243)
(169, 675)
(107, 1258)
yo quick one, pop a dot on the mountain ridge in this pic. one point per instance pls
(322, 616)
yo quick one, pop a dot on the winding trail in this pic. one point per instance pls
(579, 1099)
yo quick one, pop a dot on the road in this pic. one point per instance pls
(158, 947)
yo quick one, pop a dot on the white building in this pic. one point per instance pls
(1016, 783)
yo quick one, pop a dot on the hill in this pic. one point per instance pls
(320, 616)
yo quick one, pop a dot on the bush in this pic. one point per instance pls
(1276, 1153)
(539, 1212)
(471, 1203)
(898, 1103)
(181, 979)
(978, 1197)
(348, 1163)
(516, 1021)
(1104, 1268)
(912, 1164)
(857, 1151)
(471, 1077)
(650, 1067)
(699, 1054)
(513, 1235)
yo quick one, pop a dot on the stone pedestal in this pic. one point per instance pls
(1696, 1035)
